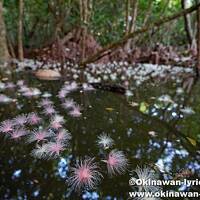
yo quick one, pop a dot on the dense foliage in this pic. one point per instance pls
(107, 22)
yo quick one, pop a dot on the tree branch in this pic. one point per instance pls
(120, 42)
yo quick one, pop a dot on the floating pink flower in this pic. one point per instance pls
(85, 174)
(20, 82)
(10, 85)
(116, 162)
(69, 103)
(39, 135)
(33, 118)
(55, 124)
(4, 98)
(70, 87)
(23, 88)
(6, 126)
(45, 102)
(76, 112)
(21, 120)
(17, 134)
(49, 110)
(62, 94)
(53, 149)
(31, 92)
(63, 136)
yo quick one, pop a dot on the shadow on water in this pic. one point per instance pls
(170, 146)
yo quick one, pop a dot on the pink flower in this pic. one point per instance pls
(63, 136)
(39, 135)
(23, 89)
(20, 120)
(33, 118)
(10, 85)
(28, 93)
(69, 103)
(62, 94)
(55, 124)
(6, 126)
(17, 134)
(75, 112)
(49, 110)
(116, 162)
(46, 102)
(70, 87)
(53, 149)
(85, 174)
(20, 82)
(4, 98)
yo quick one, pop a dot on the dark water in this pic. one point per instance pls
(25, 177)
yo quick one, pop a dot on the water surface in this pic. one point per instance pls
(171, 148)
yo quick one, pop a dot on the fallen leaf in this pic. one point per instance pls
(110, 109)
(192, 141)
(143, 107)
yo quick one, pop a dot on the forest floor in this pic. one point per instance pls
(70, 49)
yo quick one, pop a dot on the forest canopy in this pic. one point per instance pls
(107, 20)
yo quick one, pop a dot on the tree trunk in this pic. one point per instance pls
(20, 31)
(148, 13)
(85, 13)
(4, 55)
(133, 16)
(10, 47)
(188, 25)
(132, 23)
(127, 16)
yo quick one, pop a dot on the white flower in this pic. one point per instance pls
(129, 93)
(179, 90)
(105, 141)
(187, 110)
(39, 151)
(146, 174)
(46, 95)
(165, 98)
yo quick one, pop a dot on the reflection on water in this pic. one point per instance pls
(153, 127)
